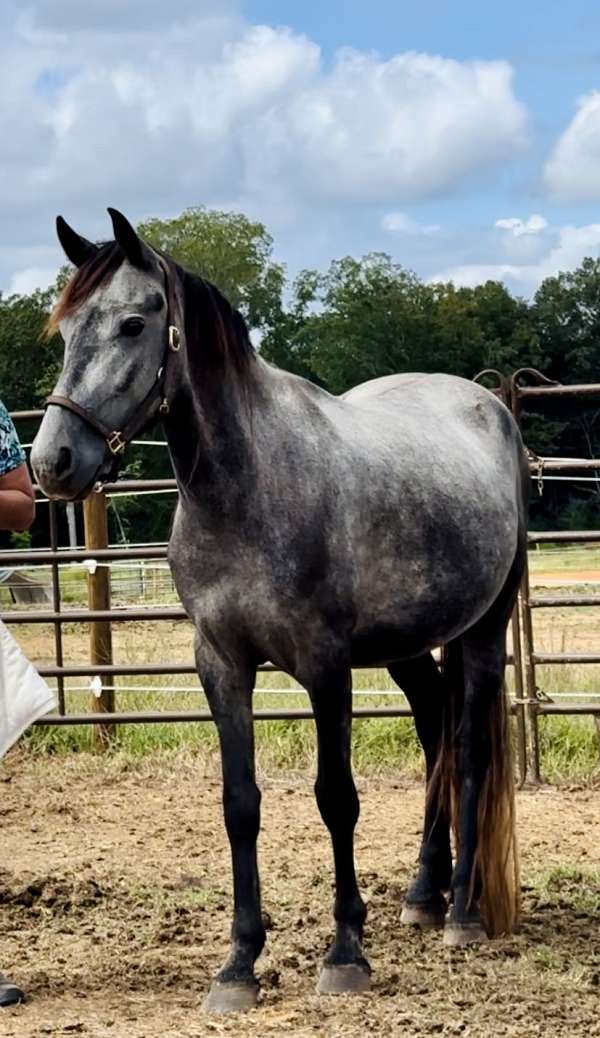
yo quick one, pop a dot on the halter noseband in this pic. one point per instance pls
(117, 439)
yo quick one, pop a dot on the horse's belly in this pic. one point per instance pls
(383, 641)
(403, 618)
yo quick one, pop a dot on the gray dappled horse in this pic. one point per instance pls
(320, 533)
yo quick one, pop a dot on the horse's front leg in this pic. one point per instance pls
(345, 968)
(229, 692)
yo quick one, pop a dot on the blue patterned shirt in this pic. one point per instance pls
(11, 453)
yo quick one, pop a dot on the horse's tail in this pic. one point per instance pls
(496, 859)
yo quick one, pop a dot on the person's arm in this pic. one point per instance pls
(17, 501)
(17, 507)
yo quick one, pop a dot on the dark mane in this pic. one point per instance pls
(217, 334)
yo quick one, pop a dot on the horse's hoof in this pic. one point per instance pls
(428, 918)
(344, 980)
(231, 997)
(459, 935)
(10, 994)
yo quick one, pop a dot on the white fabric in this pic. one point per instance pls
(24, 695)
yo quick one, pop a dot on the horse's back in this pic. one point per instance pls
(432, 395)
(439, 415)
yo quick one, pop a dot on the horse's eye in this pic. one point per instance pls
(132, 326)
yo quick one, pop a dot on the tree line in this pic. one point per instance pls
(359, 319)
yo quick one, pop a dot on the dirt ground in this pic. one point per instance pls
(565, 577)
(115, 911)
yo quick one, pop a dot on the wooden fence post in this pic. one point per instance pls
(96, 536)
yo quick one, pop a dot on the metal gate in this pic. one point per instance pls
(529, 703)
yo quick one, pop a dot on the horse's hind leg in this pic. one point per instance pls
(485, 882)
(485, 892)
(425, 689)
(345, 968)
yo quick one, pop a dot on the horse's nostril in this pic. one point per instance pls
(63, 462)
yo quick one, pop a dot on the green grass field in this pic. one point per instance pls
(553, 558)
(570, 746)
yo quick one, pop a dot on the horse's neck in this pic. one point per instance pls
(210, 436)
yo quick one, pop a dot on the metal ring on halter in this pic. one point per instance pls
(174, 338)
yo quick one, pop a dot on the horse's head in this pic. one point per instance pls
(114, 316)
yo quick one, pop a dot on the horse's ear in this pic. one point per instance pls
(76, 249)
(136, 251)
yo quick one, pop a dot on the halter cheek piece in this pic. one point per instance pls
(117, 439)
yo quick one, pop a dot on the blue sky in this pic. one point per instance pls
(554, 48)
(462, 138)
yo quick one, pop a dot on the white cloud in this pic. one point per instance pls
(572, 172)
(400, 223)
(518, 227)
(104, 103)
(25, 281)
(379, 131)
(566, 247)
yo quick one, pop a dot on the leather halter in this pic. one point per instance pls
(117, 439)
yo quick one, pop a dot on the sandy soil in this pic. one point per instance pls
(565, 578)
(114, 911)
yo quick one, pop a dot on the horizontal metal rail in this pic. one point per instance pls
(591, 390)
(153, 716)
(26, 416)
(559, 536)
(46, 555)
(131, 486)
(567, 464)
(70, 616)
(170, 716)
(554, 601)
(149, 613)
(578, 709)
(566, 657)
(88, 670)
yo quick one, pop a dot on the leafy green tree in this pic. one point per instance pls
(230, 250)
(371, 317)
(359, 319)
(485, 327)
(287, 342)
(566, 313)
(28, 362)
(362, 319)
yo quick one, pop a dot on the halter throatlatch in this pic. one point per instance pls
(117, 439)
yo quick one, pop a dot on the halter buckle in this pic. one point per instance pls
(174, 338)
(165, 407)
(116, 443)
